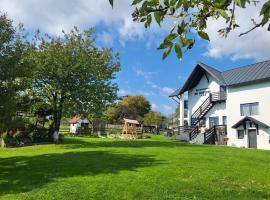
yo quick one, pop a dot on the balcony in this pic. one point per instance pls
(218, 96)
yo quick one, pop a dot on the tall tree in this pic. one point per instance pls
(153, 118)
(71, 75)
(13, 72)
(192, 15)
(132, 107)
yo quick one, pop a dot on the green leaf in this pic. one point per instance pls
(165, 45)
(223, 13)
(167, 52)
(136, 2)
(240, 3)
(111, 2)
(203, 35)
(265, 8)
(173, 2)
(178, 51)
(171, 37)
(148, 21)
(179, 4)
(159, 17)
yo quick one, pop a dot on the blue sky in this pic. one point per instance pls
(143, 72)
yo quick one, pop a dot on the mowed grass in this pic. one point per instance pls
(156, 168)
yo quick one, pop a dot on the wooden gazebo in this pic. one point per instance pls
(130, 126)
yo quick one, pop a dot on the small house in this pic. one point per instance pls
(130, 126)
(78, 125)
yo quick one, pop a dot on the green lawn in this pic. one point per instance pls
(157, 168)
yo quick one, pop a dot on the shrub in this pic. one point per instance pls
(8, 139)
(22, 138)
(147, 135)
(40, 135)
(61, 138)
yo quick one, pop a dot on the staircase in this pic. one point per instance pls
(202, 138)
(208, 136)
(211, 100)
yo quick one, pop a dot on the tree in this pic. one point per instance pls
(192, 15)
(72, 76)
(132, 107)
(13, 71)
(153, 118)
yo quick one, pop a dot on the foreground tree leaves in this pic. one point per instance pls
(192, 15)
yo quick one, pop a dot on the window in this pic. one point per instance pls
(249, 109)
(240, 134)
(224, 120)
(213, 121)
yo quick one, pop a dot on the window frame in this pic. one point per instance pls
(250, 110)
(240, 138)
(224, 118)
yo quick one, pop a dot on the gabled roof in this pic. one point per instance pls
(246, 74)
(131, 121)
(75, 119)
(251, 119)
(196, 76)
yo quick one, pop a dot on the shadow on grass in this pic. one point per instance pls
(23, 174)
(73, 143)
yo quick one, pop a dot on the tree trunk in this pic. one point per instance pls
(57, 116)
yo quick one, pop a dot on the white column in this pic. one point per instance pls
(181, 111)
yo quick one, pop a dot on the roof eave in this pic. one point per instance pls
(185, 88)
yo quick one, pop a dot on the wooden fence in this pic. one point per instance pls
(110, 129)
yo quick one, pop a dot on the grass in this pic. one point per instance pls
(156, 168)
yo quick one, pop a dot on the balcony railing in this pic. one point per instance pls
(218, 96)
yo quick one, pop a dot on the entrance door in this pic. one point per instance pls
(252, 138)
(213, 121)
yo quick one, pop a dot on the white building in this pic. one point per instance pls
(230, 107)
(77, 124)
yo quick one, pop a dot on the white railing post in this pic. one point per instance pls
(181, 111)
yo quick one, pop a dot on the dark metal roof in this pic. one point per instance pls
(215, 73)
(251, 119)
(246, 74)
(249, 73)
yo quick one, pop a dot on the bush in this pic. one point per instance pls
(8, 139)
(147, 135)
(22, 139)
(40, 135)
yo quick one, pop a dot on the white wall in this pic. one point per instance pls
(73, 128)
(256, 92)
(218, 110)
(195, 101)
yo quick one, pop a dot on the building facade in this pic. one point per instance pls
(230, 108)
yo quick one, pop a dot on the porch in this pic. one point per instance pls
(214, 135)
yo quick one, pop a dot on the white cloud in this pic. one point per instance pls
(152, 84)
(106, 39)
(154, 106)
(53, 16)
(167, 90)
(167, 109)
(164, 109)
(123, 92)
(145, 74)
(144, 93)
(255, 45)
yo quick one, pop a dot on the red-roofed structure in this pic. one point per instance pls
(75, 119)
